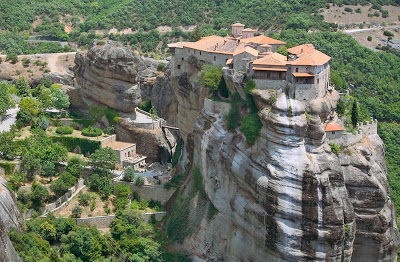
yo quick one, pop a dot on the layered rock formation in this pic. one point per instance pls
(288, 197)
(9, 217)
(109, 74)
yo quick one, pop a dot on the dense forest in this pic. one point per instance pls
(84, 15)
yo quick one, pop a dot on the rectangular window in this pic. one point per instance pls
(215, 58)
(280, 75)
(268, 75)
(297, 69)
(179, 66)
(183, 58)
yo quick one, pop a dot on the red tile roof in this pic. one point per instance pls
(308, 55)
(246, 49)
(274, 59)
(262, 39)
(269, 69)
(333, 127)
(303, 75)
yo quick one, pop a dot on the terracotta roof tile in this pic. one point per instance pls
(333, 127)
(248, 30)
(274, 59)
(216, 44)
(308, 55)
(229, 61)
(262, 39)
(303, 75)
(269, 69)
(246, 49)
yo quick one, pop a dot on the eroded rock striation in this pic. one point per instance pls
(9, 217)
(109, 74)
(287, 197)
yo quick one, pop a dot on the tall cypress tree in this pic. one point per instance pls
(354, 113)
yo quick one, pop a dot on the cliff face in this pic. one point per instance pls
(109, 74)
(9, 217)
(288, 197)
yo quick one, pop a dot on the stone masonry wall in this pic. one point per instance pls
(148, 192)
(57, 203)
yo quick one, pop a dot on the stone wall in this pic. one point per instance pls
(369, 127)
(264, 84)
(216, 107)
(108, 140)
(148, 192)
(57, 203)
(105, 221)
(347, 139)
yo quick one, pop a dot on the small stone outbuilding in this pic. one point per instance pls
(333, 131)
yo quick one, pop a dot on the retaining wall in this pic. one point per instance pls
(108, 140)
(55, 204)
(148, 192)
(216, 107)
(105, 221)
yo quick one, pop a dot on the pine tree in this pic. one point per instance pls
(354, 113)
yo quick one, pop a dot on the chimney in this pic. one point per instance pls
(237, 29)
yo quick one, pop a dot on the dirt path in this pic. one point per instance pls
(352, 31)
(56, 63)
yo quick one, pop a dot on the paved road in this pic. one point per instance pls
(9, 120)
(352, 31)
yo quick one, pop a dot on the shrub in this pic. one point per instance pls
(85, 145)
(251, 127)
(348, 9)
(129, 174)
(48, 169)
(120, 203)
(76, 211)
(369, 38)
(139, 180)
(358, 10)
(43, 123)
(145, 105)
(92, 131)
(12, 57)
(64, 130)
(160, 66)
(122, 190)
(177, 153)
(388, 33)
(335, 148)
(84, 199)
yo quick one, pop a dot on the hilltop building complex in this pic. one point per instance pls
(303, 73)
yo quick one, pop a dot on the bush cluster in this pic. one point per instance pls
(64, 130)
(92, 131)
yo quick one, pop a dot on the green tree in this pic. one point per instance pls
(22, 87)
(354, 113)
(45, 98)
(122, 190)
(7, 145)
(210, 77)
(43, 123)
(30, 105)
(39, 194)
(48, 231)
(139, 180)
(6, 102)
(129, 174)
(13, 58)
(341, 108)
(82, 243)
(74, 167)
(196, 34)
(103, 160)
(60, 99)
(48, 169)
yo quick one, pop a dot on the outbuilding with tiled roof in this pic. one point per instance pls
(333, 131)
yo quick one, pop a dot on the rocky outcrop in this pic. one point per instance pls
(159, 91)
(109, 74)
(9, 217)
(287, 197)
